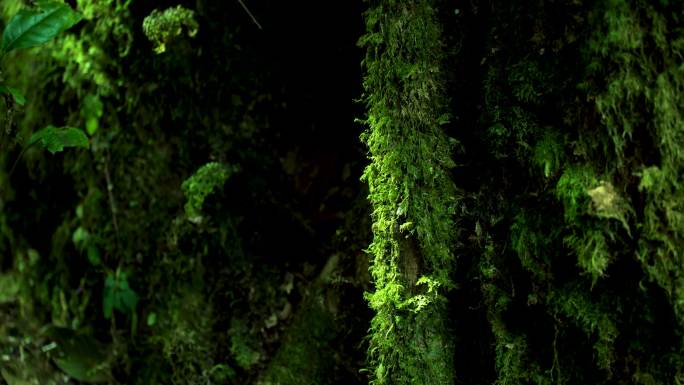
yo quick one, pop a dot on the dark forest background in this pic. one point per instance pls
(345, 192)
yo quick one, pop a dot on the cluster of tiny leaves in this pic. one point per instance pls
(202, 183)
(161, 27)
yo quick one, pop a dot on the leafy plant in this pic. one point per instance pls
(118, 295)
(79, 355)
(30, 28)
(34, 27)
(56, 139)
(18, 97)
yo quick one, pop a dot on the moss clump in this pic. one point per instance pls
(162, 27)
(305, 355)
(202, 183)
(595, 320)
(183, 331)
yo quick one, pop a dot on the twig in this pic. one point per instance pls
(16, 161)
(110, 193)
(250, 14)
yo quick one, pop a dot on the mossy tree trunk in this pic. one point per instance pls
(411, 192)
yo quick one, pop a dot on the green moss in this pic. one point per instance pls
(512, 357)
(305, 355)
(202, 183)
(592, 210)
(595, 321)
(183, 331)
(639, 56)
(162, 27)
(243, 346)
(411, 192)
(549, 153)
(533, 244)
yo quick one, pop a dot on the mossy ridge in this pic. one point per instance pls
(638, 53)
(411, 192)
(511, 356)
(604, 224)
(565, 208)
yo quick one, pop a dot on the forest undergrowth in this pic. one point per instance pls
(343, 192)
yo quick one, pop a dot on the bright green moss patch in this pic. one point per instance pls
(411, 192)
(202, 183)
(162, 27)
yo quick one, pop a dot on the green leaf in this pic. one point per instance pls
(33, 27)
(92, 112)
(80, 237)
(55, 139)
(118, 295)
(94, 255)
(128, 300)
(18, 97)
(151, 319)
(80, 356)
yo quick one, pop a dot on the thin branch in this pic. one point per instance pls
(110, 193)
(16, 161)
(250, 14)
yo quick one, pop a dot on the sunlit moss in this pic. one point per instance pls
(161, 27)
(411, 192)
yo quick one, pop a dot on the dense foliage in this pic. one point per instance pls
(342, 192)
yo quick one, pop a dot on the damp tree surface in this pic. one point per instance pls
(343, 192)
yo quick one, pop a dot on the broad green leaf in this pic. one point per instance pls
(33, 27)
(55, 139)
(18, 97)
(80, 370)
(80, 356)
